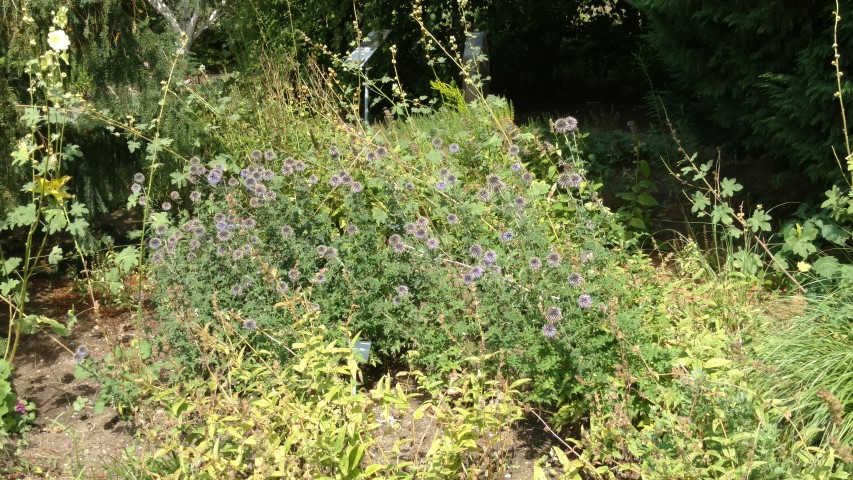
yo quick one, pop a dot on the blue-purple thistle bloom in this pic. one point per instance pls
(81, 353)
(477, 272)
(256, 154)
(452, 219)
(549, 330)
(356, 187)
(476, 250)
(402, 290)
(138, 177)
(432, 243)
(494, 182)
(441, 185)
(507, 236)
(565, 125)
(250, 325)
(483, 195)
(136, 188)
(513, 150)
(214, 177)
(553, 314)
(535, 263)
(155, 243)
(437, 143)
(453, 148)
(575, 279)
(269, 155)
(490, 257)
(554, 259)
(584, 300)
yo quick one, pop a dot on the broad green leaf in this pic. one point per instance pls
(647, 200)
(133, 145)
(728, 187)
(700, 202)
(78, 210)
(78, 227)
(722, 214)
(127, 259)
(8, 286)
(759, 221)
(10, 265)
(826, 267)
(716, 363)
(55, 255)
(56, 221)
(21, 215)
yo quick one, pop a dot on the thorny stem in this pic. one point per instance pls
(836, 61)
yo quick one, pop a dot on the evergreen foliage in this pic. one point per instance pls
(755, 76)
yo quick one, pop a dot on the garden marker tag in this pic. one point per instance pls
(476, 61)
(362, 350)
(359, 57)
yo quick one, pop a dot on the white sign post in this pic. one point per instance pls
(358, 59)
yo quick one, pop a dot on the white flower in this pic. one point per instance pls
(58, 40)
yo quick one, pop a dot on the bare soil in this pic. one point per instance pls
(64, 443)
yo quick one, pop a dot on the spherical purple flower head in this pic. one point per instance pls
(269, 155)
(423, 222)
(565, 125)
(399, 247)
(191, 256)
(345, 177)
(535, 263)
(452, 219)
(477, 272)
(453, 148)
(223, 235)
(256, 155)
(221, 250)
(160, 230)
(402, 290)
(312, 180)
(519, 202)
(432, 243)
(409, 186)
(194, 244)
(293, 275)
(554, 259)
(250, 324)
(331, 253)
(584, 300)
(299, 166)
(221, 225)
(451, 179)
(335, 181)
(352, 229)
(476, 250)
(237, 254)
(138, 177)
(575, 180)
(370, 157)
(237, 290)
(441, 185)
(258, 174)
(564, 180)
(81, 353)
(194, 160)
(233, 182)
(321, 250)
(549, 330)
(334, 152)
(575, 279)
(157, 257)
(421, 233)
(490, 257)
(136, 188)
(443, 173)
(507, 236)
(175, 196)
(467, 279)
(527, 178)
(199, 231)
(267, 175)
(155, 243)
(282, 286)
(255, 202)
(553, 314)
(513, 150)
(410, 228)
(249, 223)
(319, 278)
(494, 182)
(289, 161)
(394, 239)
(483, 195)
(356, 187)
(143, 199)
(437, 143)
(516, 167)
(287, 170)
(166, 206)
(381, 152)
(214, 177)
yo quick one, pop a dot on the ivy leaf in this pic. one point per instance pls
(700, 203)
(78, 227)
(728, 187)
(22, 215)
(78, 209)
(722, 214)
(759, 221)
(55, 255)
(127, 259)
(55, 188)
(10, 265)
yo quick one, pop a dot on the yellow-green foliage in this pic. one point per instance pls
(256, 417)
